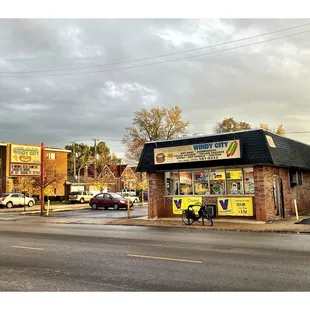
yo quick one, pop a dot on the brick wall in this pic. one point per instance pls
(302, 194)
(156, 191)
(264, 199)
(59, 165)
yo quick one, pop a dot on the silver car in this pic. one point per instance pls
(10, 200)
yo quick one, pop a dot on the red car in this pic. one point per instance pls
(109, 200)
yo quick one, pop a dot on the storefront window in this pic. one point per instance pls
(217, 182)
(201, 183)
(186, 183)
(234, 182)
(248, 176)
(172, 183)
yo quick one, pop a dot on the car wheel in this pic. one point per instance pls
(106, 208)
(115, 206)
(9, 205)
(30, 204)
(94, 206)
(82, 200)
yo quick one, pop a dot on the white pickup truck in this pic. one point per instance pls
(130, 192)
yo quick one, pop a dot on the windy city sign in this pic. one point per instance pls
(198, 152)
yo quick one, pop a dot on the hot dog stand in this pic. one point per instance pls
(254, 174)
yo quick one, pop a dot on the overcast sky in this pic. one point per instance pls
(266, 82)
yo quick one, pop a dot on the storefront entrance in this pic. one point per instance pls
(278, 196)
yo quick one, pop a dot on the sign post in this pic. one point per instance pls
(42, 179)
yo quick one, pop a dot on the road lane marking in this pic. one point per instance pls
(25, 247)
(167, 258)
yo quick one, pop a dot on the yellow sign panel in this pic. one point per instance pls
(238, 206)
(198, 152)
(181, 203)
(234, 174)
(270, 141)
(25, 154)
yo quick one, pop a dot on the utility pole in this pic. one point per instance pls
(74, 160)
(95, 161)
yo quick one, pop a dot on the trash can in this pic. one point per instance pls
(212, 210)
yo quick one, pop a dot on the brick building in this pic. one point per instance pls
(23, 164)
(254, 174)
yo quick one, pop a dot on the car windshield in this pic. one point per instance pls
(114, 195)
(4, 195)
(75, 193)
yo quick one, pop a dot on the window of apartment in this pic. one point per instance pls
(217, 182)
(234, 181)
(51, 156)
(201, 182)
(186, 183)
(248, 177)
(172, 183)
(299, 177)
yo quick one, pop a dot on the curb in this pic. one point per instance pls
(54, 210)
(214, 228)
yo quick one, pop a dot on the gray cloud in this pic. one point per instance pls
(263, 83)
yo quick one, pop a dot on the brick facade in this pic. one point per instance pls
(58, 165)
(263, 202)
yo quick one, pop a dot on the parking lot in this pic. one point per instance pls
(137, 211)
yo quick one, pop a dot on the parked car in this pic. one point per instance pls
(10, 200)
(133, 199)
(80, 196)
(130, 192)
(108, 200)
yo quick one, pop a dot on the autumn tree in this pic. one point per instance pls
(229, 125)
(101, 182)
(25, 185)
(82, 154)
(151, 125)
(51, 178)
(277, 129)
(85, 156)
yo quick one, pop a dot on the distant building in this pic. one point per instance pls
(117, 177)
(23, 160)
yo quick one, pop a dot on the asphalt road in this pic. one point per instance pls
(54, 257)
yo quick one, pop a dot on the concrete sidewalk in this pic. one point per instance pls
(280, 226)
(53, 208)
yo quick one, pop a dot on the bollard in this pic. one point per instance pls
(128, 209)
(296, 210)
(48, 208)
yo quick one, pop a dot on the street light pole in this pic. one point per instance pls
(79, 171)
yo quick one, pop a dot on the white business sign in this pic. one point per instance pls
(198, 152)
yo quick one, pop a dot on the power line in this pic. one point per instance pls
(160, 62)
(158, 56)
(84, 139)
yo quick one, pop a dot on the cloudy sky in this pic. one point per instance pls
(64, 80)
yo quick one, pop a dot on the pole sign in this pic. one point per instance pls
(198, 152)
(25, 160)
